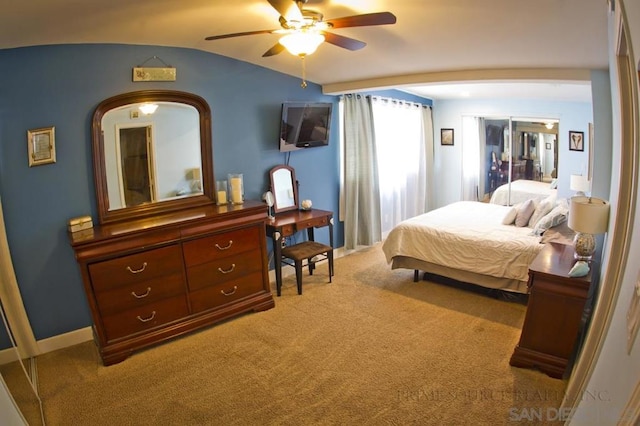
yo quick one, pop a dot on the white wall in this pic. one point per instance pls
(616, 372)
(448, 159)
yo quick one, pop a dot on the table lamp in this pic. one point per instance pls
(580, 184)
(587, 216)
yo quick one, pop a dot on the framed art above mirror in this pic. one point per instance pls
(152, 153)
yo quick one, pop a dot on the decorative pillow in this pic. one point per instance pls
(510, 217)
(544, 207)
(555, 217)
(524, 213)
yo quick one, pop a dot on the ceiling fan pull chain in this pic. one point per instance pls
(304, 72)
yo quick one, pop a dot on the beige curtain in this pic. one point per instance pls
(362, 191)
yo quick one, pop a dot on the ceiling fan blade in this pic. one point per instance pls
(288, 9)
(342, 41)
(380, 18)
(218, 37)
(277, 48)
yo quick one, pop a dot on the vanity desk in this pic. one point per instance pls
(150, 279)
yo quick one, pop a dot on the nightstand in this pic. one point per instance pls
(554, 312)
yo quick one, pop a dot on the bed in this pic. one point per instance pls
(466, 241)
(521, 190)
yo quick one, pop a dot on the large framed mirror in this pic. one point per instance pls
(152, 154)
(284, 188)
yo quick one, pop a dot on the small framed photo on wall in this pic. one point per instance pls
(576, 140)
(446, 136)
(42, 146)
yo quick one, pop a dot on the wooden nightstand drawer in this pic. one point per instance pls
(145, 317)
(314, 222)
(227, 292)
(217, 246)
(223, 270)
(135, 268)
(135, 295)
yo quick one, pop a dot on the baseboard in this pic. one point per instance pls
(82, 335)
(65, 340)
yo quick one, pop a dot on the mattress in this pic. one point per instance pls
(521, 190)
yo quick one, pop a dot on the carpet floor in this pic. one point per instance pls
(373, 347)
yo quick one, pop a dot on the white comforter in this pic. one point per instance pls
(522, 190)
(466, 235)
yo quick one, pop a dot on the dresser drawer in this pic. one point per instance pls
(312, 223)
(227, 292)
(144, 317)
(135, 295)
(135, 268)
(217, 246)
(223, 270)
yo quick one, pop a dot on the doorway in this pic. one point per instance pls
(136, 171)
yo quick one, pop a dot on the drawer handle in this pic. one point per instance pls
(228, 246)
(153, 315)
(141, 296)
(137, 271)
(232, 292)
(228, 271)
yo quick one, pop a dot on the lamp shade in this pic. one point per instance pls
(302, 42)
(579, 183)
(588, 215)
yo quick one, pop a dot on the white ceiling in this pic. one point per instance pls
(430, 36)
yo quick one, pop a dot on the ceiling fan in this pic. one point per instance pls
(304, 30)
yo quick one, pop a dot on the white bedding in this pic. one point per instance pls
(469, 236)
(522, 190)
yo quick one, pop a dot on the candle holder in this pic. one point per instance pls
(221, 192)
(236, 188)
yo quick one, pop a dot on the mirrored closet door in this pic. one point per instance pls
(498, 151)
(19, 377)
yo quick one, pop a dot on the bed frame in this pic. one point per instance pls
(505, 284)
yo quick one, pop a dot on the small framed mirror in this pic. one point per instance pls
(285, 188)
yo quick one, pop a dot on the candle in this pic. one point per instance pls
(235, 182)
(221, 191)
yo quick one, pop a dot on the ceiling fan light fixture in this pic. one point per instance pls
(302, 43)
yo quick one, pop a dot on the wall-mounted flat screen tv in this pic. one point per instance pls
(304, 125)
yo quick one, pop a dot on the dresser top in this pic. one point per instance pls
(192, 216)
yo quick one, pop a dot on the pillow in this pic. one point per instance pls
(544, 207)
(524, 213)
(554, 184)
(555, 217)
(510, 217)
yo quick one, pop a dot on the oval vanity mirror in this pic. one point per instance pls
(285, 188)
(152, 154)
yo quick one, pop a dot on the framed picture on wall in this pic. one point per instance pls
(42, 146)
(446, 136)
(576, 140)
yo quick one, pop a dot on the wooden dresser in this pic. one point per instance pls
(148, 280)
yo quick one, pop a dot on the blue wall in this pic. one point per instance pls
(61, 86)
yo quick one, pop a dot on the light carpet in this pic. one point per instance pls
(373, 347)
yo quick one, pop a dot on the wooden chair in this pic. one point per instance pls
(307, 251)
